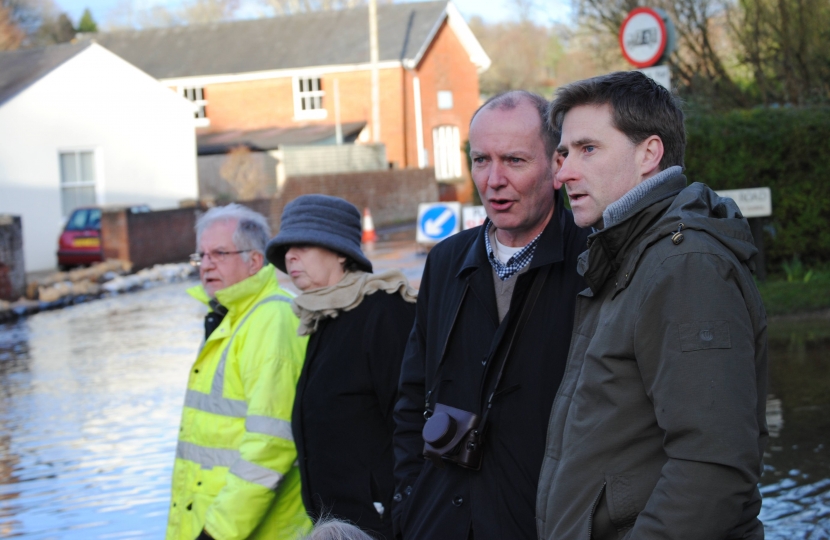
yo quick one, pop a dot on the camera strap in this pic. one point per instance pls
(527, 307)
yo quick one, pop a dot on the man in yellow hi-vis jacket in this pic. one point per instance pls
(235, 475)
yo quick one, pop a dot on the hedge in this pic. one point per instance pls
(785, 149)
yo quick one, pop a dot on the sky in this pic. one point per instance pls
(547, 11)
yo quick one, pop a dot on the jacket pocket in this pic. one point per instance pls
(622, 502)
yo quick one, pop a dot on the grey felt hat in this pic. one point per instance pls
(319, 220)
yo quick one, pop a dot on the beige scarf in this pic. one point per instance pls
(313, 306)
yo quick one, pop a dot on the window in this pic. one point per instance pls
(446, 144)
(77, 180)
(444, 99)
(86, 219)
(196, 94)
(308, 98)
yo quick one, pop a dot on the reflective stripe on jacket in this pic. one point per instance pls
(235, 472)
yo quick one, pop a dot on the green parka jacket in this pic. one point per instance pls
(235, 473)
(658, 428)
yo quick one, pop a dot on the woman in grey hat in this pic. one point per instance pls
(358, 323)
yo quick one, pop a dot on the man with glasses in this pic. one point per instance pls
(235, 475)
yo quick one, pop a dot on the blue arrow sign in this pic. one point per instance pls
(438, 222)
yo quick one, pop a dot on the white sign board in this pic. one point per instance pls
(437, 221)
(473, 216)
(755, 202)
(659, 74)
(643, 37)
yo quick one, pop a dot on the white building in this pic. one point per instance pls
(80, 126)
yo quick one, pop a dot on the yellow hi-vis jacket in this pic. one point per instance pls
(235, 473)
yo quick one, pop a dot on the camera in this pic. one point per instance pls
(452, 435)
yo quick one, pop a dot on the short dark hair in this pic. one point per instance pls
(507, 101)
(640, 108)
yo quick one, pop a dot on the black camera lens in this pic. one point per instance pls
(439, 429)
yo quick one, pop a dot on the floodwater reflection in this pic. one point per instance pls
(796, 480)
(90, 399)
(89, 411)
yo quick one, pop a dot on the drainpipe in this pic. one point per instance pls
(419, 122)
(373, 56)
(338, 128)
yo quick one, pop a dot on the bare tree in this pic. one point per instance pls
(785, 45)
(525, 54)
(11, 35)
(125, 15)
(290, 7)
(700, 62)
(244, 173)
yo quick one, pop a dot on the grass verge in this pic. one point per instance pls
(783, 297)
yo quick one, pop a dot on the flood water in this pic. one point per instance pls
(90, 398)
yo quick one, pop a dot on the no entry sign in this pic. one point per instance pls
(643, 37)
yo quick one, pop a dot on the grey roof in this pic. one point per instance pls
(21, 69)
(274, 137)
(297, 41)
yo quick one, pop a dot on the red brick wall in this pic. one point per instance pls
(115, 240)
(145, 239)
(445, 66)
(392, 196)
(270, 102)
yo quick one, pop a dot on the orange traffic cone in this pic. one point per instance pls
(369, 234)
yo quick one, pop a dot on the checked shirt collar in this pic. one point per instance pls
(515, 263)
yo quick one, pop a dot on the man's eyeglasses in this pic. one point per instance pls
(216, 256)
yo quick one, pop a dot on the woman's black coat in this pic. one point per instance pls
(342, 419)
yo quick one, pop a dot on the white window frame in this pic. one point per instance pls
(95, 183)
(446, 148)
(196, 95)
(302, 97)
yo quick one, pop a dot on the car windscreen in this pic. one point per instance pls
(84, 219)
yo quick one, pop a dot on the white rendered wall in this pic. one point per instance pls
(142, 134)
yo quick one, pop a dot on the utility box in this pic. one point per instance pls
(12, 268)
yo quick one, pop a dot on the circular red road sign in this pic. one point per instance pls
(643, 37)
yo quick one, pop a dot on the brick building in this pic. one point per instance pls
(279, 73)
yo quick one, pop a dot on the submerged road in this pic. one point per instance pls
(90, 399)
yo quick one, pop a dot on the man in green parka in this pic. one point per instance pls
(235, 475)
(658, 428)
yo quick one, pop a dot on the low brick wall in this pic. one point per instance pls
(12, 267)
(167, 236)
(148, 238)
(391, 195)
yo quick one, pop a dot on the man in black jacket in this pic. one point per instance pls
(472, 294)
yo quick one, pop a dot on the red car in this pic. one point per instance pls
(80, 241)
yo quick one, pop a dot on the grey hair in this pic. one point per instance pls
(252, 230)
(334, 529)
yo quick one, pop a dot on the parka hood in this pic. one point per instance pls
(674, 209)
(699, 208)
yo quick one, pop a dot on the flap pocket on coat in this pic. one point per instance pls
(698, 335)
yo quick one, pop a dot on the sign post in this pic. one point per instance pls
(437, 221)
(755, 204)
(473, 216)
(647, 38)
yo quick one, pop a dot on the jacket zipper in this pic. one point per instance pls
(593, 511)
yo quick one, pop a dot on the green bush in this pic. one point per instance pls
(785, 149)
